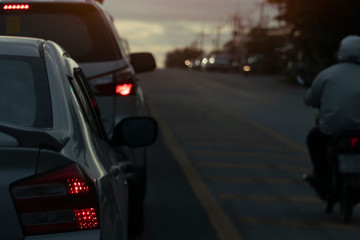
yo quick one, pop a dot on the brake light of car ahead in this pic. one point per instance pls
(58, 201)
(123, 89)
(116, 83)
(16, 6)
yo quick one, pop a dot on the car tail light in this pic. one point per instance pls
(246, 68)
(16, 6)
(123, 89)
(57, 201)
(116, 83)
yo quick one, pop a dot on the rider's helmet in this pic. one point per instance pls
(349, 49)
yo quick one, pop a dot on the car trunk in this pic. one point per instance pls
(15, 164)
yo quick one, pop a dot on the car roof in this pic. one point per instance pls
(21, 46)
(49, 1)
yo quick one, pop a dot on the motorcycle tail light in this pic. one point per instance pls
(58, 201)
(114, 83)
(354, 142)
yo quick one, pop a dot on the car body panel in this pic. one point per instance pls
(7, 140)
(69, 140)
(219, 62)
(93, 69)
(88, 235)
(11, 171)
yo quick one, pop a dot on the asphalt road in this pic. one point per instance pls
(229, 160)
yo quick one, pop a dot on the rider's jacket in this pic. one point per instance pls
(336, 90)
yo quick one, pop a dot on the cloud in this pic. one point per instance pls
(146, 36)
(160, 26)
(139, 28)
(205, 10)
(162, 37)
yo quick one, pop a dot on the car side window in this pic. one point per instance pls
(122, 43)
(88, 103)
(124, 47)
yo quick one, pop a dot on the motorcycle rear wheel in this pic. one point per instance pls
(346, 205)
(329, 206)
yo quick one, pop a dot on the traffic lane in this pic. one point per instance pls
(264, 99)
(269, 197)
(258, 183)
(247, 182)
(171, 209)
(261, 189)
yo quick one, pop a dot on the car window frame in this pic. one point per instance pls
(86, 102)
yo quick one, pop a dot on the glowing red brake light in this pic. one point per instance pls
(59, 201)
(16, 6)
(86, 219)
(122, 82)
(76, 186)
(123, 89)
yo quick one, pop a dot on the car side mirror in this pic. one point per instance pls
(143, 62)
(135, 132)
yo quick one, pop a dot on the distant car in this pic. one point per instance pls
(189, 63)
(60, 178)
(219, 62)
(87, 33)
(196, 63)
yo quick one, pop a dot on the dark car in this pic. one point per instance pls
(87, 33)
(60, 178)
(219, 62)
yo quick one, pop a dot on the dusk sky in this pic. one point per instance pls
(160, 26)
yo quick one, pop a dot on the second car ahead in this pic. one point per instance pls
(60, 178)
(87, 33)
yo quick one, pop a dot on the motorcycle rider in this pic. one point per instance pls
(336, 92)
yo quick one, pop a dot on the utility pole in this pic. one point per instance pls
(218, 36)
(262, 16)
(237, 34)
(201, 39)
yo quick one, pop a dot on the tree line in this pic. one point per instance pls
(315, 29)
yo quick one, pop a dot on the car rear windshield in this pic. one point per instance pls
(24, 92)
(78, 28)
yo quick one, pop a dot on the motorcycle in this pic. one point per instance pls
(341, 183)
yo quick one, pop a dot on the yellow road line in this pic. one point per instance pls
(218, 218)
(252, 166)
(255, 138)
(293, 168)
(295, 223)
(239, 144)
(241, 180)
(259, 166)
(264, 129)
(268, 198)
(241, 154)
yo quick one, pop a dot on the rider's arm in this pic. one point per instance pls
(313, 95)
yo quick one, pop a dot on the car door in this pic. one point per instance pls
(114, 167)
